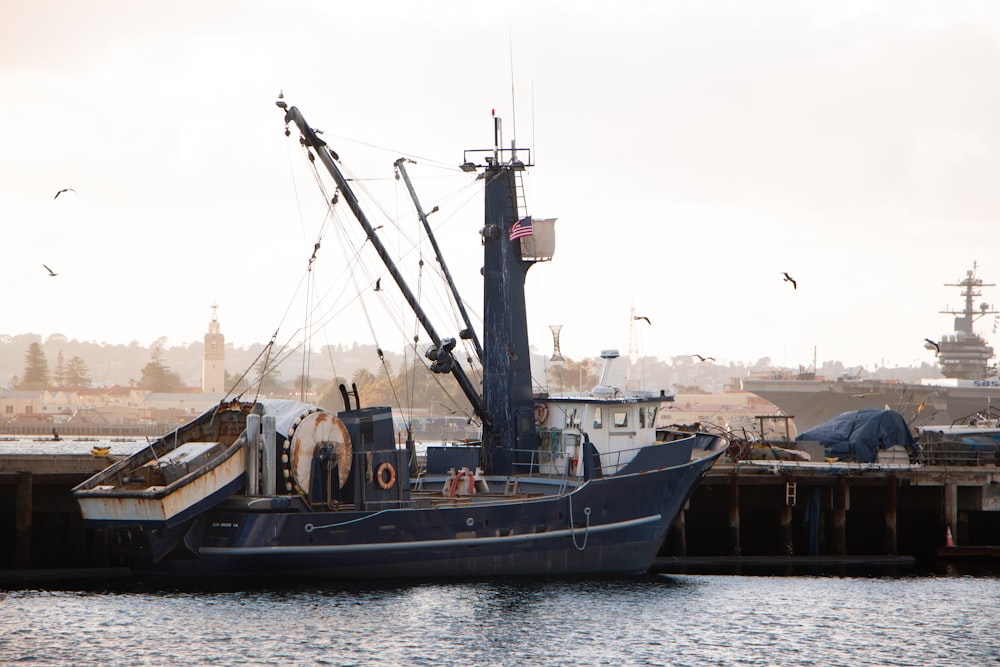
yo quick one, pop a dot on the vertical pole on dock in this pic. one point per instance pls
(22, 521)
(785, 519)
(951, 510)
(100, 547)
(734, 516)
(680, 533)
(891, 503)
(840, 503)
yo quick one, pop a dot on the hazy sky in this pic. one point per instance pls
(692, 151)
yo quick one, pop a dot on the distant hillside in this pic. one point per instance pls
(122, 364)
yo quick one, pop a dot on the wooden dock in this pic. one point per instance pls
(780, 508)
(40, 521)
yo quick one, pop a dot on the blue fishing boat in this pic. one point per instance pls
(557, 485)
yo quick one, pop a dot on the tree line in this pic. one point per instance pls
(74, 373)
(413, 387)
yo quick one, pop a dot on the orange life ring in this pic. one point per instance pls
(541, 413)
(384, 482)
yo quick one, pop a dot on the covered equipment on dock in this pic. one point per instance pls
(861, 434)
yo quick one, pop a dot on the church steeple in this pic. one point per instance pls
(213, 370)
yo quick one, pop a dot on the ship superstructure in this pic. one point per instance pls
(964, 354)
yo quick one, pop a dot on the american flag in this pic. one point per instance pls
(521, 228)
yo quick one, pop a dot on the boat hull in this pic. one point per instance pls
(612, 525)
(979, 396)
(815, 402)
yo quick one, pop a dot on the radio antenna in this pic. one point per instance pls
(533, 116)
(513, 107)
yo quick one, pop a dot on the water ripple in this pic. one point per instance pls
(666, 621)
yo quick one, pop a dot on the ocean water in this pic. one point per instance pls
(40, 444)
(674, 621)
(656, 620)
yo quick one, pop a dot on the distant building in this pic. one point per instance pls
(733, 410)
(30, 404)
(213, 371)
(123, 405)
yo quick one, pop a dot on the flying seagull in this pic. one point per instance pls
(642, 317)
(51, 272)
(62, 191)
(931, 343)
(789, 279)
(701, 358)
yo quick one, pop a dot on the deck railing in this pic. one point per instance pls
(930, 453)
(955, 453)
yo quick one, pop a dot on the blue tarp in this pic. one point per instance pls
(861, 433)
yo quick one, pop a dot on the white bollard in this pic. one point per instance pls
(269, 466)
(253, 455)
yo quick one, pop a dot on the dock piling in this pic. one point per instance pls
(22, 520)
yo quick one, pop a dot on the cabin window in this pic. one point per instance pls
(572, 418)
(621, 419)
(598, 418)
(647, 416)
(527, 423)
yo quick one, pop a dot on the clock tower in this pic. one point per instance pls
(213, 369)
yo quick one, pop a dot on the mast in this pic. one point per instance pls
(511, 439)
(469, 333)
(440, 354)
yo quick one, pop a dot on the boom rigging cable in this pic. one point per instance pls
(316, 305)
